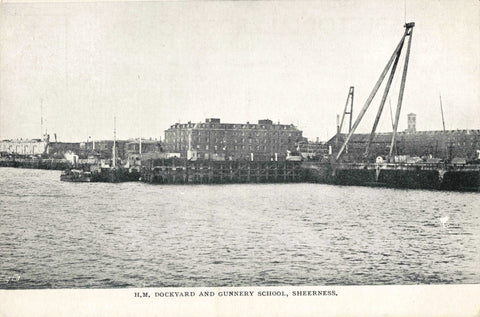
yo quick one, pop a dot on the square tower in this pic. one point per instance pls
(412, 123)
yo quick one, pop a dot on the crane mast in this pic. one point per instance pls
(349, 112)
(391, 65)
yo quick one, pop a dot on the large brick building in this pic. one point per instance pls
(215, 140)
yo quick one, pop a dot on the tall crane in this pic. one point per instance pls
(349, 112)
(346, 112)
(392, 63)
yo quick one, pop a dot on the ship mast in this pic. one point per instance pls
(114, 139)
(441, 109)
(448, 144)
(41, 119)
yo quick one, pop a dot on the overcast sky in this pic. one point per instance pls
(157, 63)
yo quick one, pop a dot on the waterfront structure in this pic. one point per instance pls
(39, 147)
(103, 148)
(214, 140)
(313, 150)
(61, 149)
(123, 148)
(425, 175)
(24, 146)
(182, 171)
(142, 146)
(137, 149)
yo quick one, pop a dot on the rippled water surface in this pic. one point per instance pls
(96, 235)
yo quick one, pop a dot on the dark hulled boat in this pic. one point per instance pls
(74, 175)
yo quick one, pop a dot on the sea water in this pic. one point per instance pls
(56, 234)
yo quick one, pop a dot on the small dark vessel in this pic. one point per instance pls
(73, 175)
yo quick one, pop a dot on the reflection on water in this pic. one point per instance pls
(97, 235)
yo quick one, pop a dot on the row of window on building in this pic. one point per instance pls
(183, 147)
(214, 137)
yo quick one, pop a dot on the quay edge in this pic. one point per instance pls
(411, 176)
(456, 177)
(45, 164)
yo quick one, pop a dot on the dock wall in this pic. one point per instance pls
(414, 176)
(46, 164)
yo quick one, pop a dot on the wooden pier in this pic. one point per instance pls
(176, 171)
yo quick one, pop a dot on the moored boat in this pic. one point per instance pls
(74, 175)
